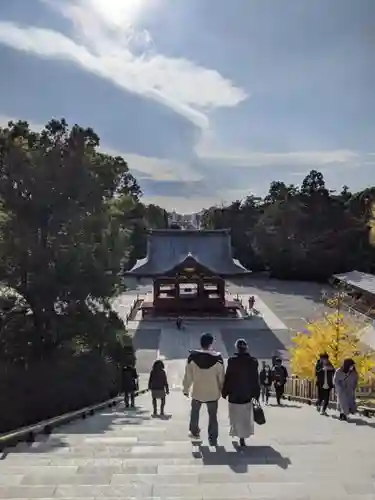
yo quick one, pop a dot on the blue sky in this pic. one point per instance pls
(207, 100)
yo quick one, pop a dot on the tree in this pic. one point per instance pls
(340, 337)
(279, 191)
(314, 184)
(63, 235)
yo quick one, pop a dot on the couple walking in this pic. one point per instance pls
(207, 381)
(344, 380)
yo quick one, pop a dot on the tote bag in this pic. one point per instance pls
(259, 417)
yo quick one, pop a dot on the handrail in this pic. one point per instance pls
(29, 432)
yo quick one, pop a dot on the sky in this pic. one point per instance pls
(207, 100)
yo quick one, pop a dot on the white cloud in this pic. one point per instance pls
(162, 169)
(108, 43)
(157, 169)
(243, 158)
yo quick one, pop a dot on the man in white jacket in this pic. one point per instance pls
(203, 380)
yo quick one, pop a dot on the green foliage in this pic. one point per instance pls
(304, 232)
(69, 221)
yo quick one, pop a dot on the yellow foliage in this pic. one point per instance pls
(338, 336)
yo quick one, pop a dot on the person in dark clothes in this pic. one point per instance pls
(241, 386)
(179, 323)
(265, 379)
(324, 372)
(319, 362)
(129, 384)
(158, 385)
(279, 378)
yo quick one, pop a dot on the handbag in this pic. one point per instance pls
(259, 417)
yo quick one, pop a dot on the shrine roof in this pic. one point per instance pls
(167, 248)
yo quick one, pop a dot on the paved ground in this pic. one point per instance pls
(297, 455)
(292, 301)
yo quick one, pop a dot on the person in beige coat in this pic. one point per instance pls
(203, 380)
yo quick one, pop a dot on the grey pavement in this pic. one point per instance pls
(119, 453)
(297, 455)
(292, 301)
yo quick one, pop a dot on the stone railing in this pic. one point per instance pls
(132, 307)
(305, 391)
(30, 432)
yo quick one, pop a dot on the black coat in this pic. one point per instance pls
(320, 376)
(279, 375)
(158, 381)
(241, 382)
(129, 379)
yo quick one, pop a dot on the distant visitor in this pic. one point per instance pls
(279, 378)
(158, 385)
(129, 379)
(346, 381)
(265, 379)
(324, 372)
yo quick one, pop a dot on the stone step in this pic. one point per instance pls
(122, 453)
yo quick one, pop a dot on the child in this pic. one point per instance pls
(158, 385)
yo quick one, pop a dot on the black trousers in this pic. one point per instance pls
(155, 405)
(129, 398)
(279, 390)
(323, 398)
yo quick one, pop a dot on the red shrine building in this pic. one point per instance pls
(188, 268)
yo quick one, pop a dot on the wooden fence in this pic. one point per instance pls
(305, 391)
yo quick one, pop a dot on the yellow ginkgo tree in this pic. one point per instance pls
(340, 337)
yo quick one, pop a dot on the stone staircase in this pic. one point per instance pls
(118, 453)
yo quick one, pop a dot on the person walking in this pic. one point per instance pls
(158, 385)
(241, 386)
(324, 373)
(279, 378)
(203, 379)
(345, 382)
(129, 380)
(265, 379)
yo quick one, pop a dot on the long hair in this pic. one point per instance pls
(158, 365)
(347, 364)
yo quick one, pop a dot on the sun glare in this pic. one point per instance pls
(119, 12)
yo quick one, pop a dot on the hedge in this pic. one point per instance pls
(47, 389)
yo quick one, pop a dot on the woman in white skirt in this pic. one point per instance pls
(241, 386)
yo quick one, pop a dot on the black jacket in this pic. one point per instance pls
(264, 380)
(241, 382)
(129, 378)
(279, 375)
(158, 381)
(320, 375)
